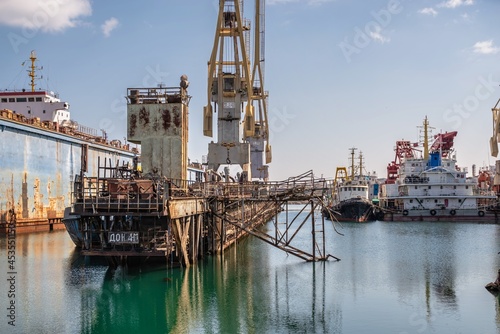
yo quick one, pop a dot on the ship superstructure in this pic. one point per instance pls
(42, 104)
(429, 185)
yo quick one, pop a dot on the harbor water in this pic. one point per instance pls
(392, 278)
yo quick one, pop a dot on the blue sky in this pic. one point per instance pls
(340, 73)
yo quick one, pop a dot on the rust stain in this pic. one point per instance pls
(177, 116)
(24, 197)
(167, 120)
(59, 185)
(144, 116)
(38, 200)
(133, 125)
(156, 125)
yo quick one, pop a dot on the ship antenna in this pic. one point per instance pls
(32, 71)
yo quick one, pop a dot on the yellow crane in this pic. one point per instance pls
(234, 86)
(229, 82)
(496, 129)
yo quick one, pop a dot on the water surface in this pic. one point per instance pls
(392, 278)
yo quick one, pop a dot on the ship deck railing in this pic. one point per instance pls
(78, 131)
(157, 95)
(95, 195)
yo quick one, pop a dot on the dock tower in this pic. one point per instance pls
(229, 91)
(158, 121)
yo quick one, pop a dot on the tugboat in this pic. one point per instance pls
(353, 195)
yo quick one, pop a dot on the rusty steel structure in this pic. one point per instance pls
(125, 212)
(120, 216)
(39, 163)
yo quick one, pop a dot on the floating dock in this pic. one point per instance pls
(123, 219)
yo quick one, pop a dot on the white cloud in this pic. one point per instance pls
(46, 15)
(108, 26)
(378, 37)
(466, 17)
(456, 3)
(428, 11)
(486, 47)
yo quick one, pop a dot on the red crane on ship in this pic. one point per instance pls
(443, 143)
(404, 150)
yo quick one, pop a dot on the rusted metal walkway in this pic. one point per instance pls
(119, 216)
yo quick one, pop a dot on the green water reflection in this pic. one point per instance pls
(393, 278)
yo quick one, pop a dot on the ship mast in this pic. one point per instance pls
(32, 70)
(427, 131)
(426, 139)
(352, 162)
(360, 163)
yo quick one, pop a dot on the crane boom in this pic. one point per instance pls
(260, 140)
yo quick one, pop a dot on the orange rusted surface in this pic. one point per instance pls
(38, 167)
